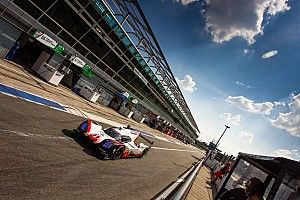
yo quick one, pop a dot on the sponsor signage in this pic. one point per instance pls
(134, 101)
(86, 69)
(77, 61)
(126, 94)
(48, 41)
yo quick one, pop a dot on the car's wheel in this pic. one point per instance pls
(116, 152)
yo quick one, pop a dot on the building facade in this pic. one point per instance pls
(94, 32)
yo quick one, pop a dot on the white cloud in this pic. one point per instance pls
(242, 84)
(239, 18)
(269, 54)
(286, 153)
(290, 121)
(239, 83)
(279, 103)
(246, 51)
(247, 137)
(235, 120)
(243, 103)
(187, 83)
(185, 2)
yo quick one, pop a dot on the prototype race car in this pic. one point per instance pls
(115, 142)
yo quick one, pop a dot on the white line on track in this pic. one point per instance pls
(161, 148)
(19, 133)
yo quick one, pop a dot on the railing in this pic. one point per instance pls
(179, 189)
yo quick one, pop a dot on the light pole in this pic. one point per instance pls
(209, 153)
(226, 127)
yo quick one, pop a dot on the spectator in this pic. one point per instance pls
(255, 190)
(218, 175)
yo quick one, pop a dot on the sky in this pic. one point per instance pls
(237, 63)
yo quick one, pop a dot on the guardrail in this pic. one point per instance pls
(179, 189)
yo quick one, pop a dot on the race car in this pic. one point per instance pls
(115, 142)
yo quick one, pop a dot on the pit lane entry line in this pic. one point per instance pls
(161, 148)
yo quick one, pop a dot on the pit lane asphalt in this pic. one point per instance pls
(39, 160)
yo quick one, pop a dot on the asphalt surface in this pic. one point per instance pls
(39, 159)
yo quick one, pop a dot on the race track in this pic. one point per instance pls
(40, 160)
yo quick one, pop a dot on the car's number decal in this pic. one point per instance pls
(107, 144)
(83, 126)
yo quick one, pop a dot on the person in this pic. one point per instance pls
(218, 175)
(254, 190)
(16, 46)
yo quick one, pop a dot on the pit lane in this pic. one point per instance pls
(36, 164)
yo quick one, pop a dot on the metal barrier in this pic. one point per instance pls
(179, 189)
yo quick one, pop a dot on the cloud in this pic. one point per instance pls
(235, 120)
(269, 54)
(286, 153)
(290, 121)
(242, 84)
(243, 103)
(239, 83)
(187, 84)
(248, 51)
(239, 18)
(279, 103)
(247, 137)
(185, 2)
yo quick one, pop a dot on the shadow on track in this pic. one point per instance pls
(88, 148)
(198, 159)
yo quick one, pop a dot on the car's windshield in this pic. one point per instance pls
(113, 133)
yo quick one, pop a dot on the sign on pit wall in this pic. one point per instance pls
(48, 41)
(77, 61)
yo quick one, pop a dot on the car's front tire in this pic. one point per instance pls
(116, 152)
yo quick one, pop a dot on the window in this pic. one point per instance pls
(114, 37)
(102, 66)
(83, 2)
(137, 83)
(87, 18)
(93, 12)
(95, 44)
(67, 18)
(92, 58)
(75, 4)
(81, 49)
(67, 37)
(113, 61)
(113, 133)
(29, 8)
(42, 4)
(47, 22)
(127, 74)
(104, 26)
(109, 72)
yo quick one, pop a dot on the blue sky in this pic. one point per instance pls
(215, 51)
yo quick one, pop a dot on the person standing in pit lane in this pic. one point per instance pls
(218, 175)
(254, 190)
